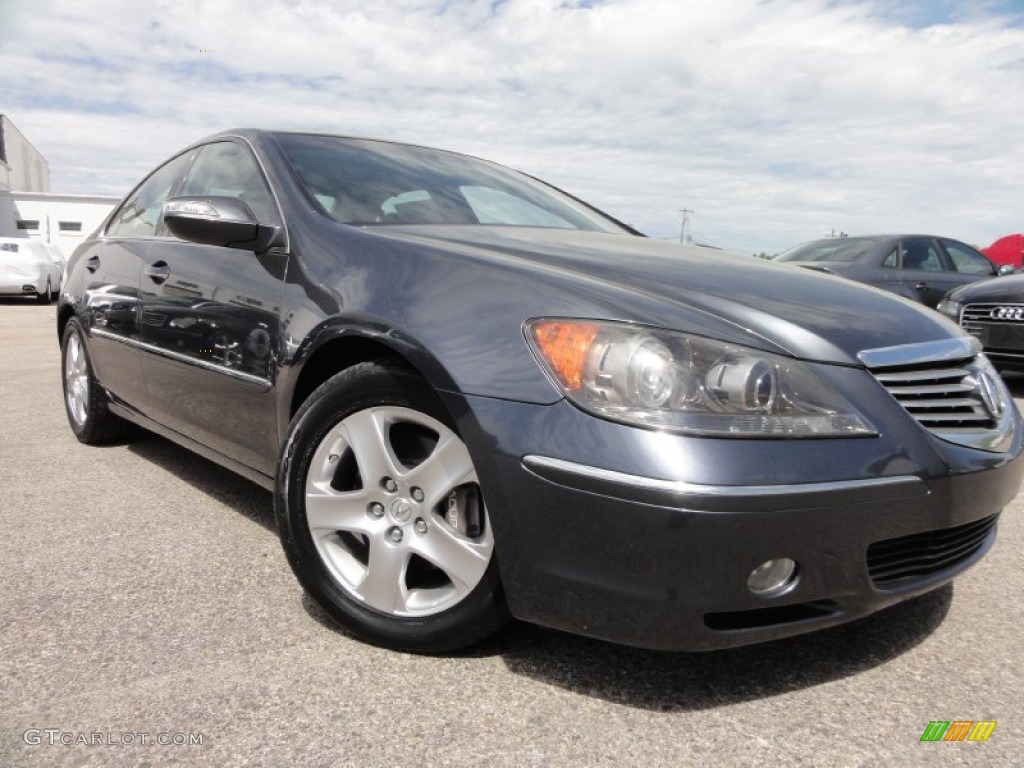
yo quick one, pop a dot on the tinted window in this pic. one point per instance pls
(371, 182)
(833, 249)
(892, 259)
(967, 260)
(140, 213)
(228, 169)
(922, 254)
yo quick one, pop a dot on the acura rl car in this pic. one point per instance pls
(992, 311)
(477, 397)
(919, 267)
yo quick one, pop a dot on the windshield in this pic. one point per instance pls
(834, 249)
(363, 182)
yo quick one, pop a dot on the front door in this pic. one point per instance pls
(211, 322)
(927, 270)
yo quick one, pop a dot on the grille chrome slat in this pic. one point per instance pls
(931, 389)
(943, 402)
(926, 375)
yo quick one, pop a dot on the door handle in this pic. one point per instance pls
(158, 271)
(92, 263)
(921, 286)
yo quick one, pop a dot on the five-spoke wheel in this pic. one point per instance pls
(84, 399)
(382, 516)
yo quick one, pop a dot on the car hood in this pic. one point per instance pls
(1009, 289)
(801, 312)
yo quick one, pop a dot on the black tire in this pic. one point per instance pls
(85, 400)
(46, 296)
(322, 446)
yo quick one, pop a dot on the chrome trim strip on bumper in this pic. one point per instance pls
(177, 356)
(723, 497)
(955, 348)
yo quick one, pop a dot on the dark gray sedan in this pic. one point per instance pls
(920, 267)
(477, 397)
(992, 311)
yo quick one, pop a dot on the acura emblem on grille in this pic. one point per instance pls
(990, 396)
(1007, 313)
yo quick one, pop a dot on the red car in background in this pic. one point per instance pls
(1007, 250)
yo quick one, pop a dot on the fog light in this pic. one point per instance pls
(772, 577)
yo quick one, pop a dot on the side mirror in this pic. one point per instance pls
(1005, 269)
(215, 220)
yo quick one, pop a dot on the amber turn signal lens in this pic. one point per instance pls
(565, 346)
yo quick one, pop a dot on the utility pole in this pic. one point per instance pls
(686, 220)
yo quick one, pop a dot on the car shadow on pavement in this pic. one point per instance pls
(670, 682)
(219, 484)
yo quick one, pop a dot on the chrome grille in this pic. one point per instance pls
(974, 317)
(943, 396)
(950, 388)
(894, 561)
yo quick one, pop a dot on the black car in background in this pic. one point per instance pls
(477, 397)
(920, 267)
(993, 312)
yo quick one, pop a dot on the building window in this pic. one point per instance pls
(28, 224)
(70, 226)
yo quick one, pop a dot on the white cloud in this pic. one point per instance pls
(775, 121)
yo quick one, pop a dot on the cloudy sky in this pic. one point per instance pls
(775, 121)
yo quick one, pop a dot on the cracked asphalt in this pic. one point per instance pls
(145, 597)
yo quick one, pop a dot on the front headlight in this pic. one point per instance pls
(950, 309)
(673, 381)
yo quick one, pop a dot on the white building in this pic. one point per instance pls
(29, 209)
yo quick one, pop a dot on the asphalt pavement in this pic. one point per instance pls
(148, 617)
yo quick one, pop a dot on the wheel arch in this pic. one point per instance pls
(64, 313)
(335, 349)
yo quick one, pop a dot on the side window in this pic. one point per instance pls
(922, 254)
(967, 260)
(892, 259)
(140, 213)
(228, 169)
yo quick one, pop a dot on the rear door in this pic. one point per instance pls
(113, 264)
(211, 321)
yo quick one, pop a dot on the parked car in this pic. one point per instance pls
(993, 312)
(477, 397)
(27, 268)
(920, 267)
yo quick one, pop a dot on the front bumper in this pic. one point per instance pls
(662, 562)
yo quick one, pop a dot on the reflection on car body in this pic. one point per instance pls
(477, 397)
